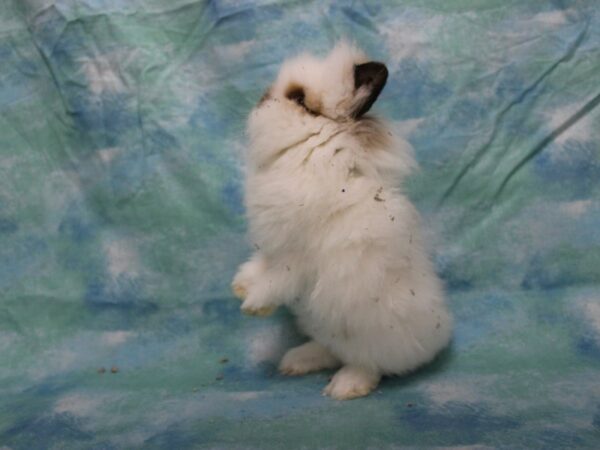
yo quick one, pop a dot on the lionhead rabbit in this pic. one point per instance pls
(337, 242)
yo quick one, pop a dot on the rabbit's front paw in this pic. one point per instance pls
(254, 306)
(260, 311)
(239, 290)
(246, 277)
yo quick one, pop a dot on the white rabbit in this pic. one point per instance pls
(337, 242)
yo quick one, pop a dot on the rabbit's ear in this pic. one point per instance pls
(371, 78)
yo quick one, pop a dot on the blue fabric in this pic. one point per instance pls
(122, 223)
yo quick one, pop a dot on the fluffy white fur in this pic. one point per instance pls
(337, 242)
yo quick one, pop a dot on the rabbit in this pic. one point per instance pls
(336, 240)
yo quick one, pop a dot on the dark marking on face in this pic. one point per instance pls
(297, 94)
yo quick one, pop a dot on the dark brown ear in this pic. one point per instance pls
(373, 75)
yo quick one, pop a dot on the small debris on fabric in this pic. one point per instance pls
(101, 370)
(224, 360)
(114, 369)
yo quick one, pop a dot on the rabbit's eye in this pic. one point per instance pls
(296, 94)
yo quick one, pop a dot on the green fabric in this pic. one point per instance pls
(122, 224)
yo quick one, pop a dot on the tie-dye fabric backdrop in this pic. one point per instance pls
(121, 223)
